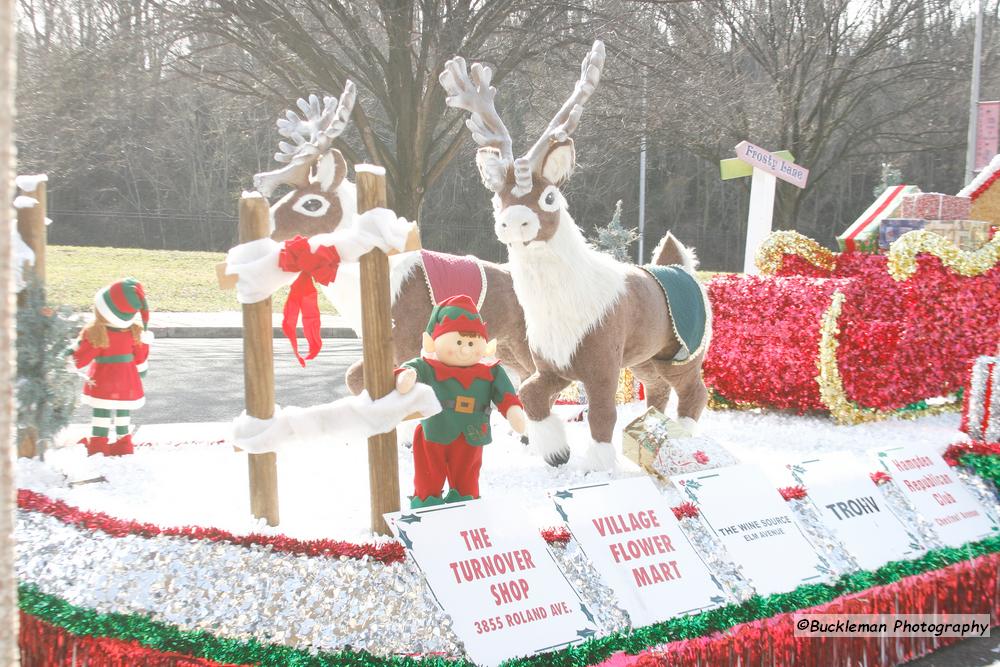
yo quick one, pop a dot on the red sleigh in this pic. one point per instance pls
(857, 335)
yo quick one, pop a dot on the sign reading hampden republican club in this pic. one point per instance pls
(936, 493)
(635, 542)
(852, 507)
(493, 574)
(748, 515)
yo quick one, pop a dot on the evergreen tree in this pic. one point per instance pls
(615, 239)
(46, 391)
(889, 177)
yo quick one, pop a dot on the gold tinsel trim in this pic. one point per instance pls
(771, 252)
(902, 262)
(831, 387)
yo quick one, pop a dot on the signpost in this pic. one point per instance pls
(936, 493)
(636, 544)
(749, 517)
(764, 168)
(851, 505)
(492, 573)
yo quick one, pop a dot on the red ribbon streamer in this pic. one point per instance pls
(321, 267)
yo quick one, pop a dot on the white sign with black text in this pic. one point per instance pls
(936, 493)
(853, 508)
(636, 544)
(493, 574)
(748, 515)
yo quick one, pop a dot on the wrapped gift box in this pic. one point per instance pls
(935, 206)
(662, 447)
(863, 234)
(966, 234)
(981, 409)
(892, 228)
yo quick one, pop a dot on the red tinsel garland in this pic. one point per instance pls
(959, 449)
(685, 511)
(899, 342)
(969, 587)
(792, 492)
(387, 552)
(880, 477)
(44, 645)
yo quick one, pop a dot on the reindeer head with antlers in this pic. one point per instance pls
(527, 202)
(321, 197)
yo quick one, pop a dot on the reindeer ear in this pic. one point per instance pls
(559, 162)
(331, 169)
(492, 167)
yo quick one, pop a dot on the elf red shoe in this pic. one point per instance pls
(96, 445)
(121, 447)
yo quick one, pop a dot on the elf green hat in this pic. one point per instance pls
(456, 313)
(120, 302)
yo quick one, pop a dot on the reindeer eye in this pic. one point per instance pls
(312, 205)
(549, 201)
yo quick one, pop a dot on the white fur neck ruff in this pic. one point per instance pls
(565, 288)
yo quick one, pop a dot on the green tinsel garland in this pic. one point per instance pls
(164, 637)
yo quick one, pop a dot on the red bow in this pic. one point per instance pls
(321, 266)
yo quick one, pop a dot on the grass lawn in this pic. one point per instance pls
(175, 280)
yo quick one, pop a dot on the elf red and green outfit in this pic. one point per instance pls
(449, 445)
(114, 373)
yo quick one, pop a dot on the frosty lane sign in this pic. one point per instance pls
(494, 576)
(636, 544)
(759, 158)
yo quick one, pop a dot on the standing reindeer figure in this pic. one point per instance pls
(322, 199)
(587, 315)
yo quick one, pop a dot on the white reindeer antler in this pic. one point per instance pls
(475, 95)
(310, 137)
(565, 121)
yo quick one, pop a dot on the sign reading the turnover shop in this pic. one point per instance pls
(936, 493)
(492, 573)
(853, 508)
(764, 160)
(748, 515)
(636, 544)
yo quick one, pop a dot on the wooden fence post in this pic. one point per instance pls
(379, 358)
(258, 368)
(31, 227)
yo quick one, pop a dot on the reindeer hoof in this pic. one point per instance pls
(557, 458)
(600, 456)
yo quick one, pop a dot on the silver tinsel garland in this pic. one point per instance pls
(981, 377)
(600, 599)
(822, 538)
(912, 520)
(722, 567)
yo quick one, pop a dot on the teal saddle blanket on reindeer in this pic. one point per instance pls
(687, 305)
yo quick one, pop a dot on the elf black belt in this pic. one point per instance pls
(466, 405)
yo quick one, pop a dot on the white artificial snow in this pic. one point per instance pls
(24, 201)
(23, 254)
(29, 182)
(184, 479)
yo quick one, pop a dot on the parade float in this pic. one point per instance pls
(168, 557)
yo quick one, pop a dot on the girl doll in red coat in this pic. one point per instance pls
(115, 347)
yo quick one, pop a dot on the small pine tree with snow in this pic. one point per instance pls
(889, 177)
(615, 239)
(47, 391)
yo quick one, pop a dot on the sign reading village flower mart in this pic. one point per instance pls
(748, 515)
(636, 544)
(493, 574)
(937, 493)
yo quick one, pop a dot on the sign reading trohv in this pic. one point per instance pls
(853, 508)
(936, 493)
(635, 542)
(764, 160)
(753, 522)
(493, 574)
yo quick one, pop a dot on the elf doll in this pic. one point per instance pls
(115, 346)
(449, 445)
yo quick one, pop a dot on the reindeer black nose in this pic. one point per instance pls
(524, 224)
(504, 225)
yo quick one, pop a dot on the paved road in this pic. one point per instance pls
(200, 380)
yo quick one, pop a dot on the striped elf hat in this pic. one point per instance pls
(120, 302)
(456, 313)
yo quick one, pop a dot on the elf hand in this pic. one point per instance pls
(405, 380)
(517, 419)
